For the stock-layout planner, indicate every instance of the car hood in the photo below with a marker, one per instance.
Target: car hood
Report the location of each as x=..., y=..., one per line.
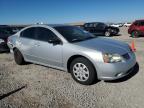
x=105, y=45
x=112, y=27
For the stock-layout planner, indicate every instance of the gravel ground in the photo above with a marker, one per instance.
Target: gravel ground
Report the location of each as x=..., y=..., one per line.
x=35, y=86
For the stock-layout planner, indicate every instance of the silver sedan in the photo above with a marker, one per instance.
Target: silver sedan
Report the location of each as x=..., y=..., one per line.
x=72, y=49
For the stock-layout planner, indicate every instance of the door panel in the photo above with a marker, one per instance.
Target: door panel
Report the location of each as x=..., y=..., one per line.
x=26, y=43
x=100, y=29
x=47, y=53
x=34, y=45
x=44, y=52
x=141, y=26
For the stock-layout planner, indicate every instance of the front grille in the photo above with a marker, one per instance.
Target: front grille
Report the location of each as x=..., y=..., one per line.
x=126, y=56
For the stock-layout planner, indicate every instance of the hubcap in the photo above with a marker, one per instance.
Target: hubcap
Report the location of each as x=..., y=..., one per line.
x=107, y=34
x=81, y=72
x=134, y=34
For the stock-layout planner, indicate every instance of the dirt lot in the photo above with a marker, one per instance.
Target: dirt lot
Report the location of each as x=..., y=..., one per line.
x=35, y=86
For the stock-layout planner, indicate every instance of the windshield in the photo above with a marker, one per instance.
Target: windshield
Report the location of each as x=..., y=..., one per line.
x=74, y=34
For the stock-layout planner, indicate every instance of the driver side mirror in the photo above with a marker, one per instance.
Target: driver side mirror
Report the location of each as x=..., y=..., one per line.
x=54, y=41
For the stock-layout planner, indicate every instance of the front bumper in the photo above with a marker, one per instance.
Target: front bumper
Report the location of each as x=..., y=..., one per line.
x=113, y=71
x=114, y=32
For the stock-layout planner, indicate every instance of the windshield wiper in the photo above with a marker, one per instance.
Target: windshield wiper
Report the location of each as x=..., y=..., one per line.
x=76, y=40
x=89, y=38
x=82, y=39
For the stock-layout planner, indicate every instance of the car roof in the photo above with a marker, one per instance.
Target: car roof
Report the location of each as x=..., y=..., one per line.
x=56, y=25
x=53, y=25
x=50, y=25
x=93, y=22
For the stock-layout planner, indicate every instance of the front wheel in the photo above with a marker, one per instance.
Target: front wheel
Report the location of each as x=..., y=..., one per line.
x=83, y=71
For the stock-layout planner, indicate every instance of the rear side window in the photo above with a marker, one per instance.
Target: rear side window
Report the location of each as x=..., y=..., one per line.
x=86, y=25
x=29, y=33
x=141, y=23
x=44, y=34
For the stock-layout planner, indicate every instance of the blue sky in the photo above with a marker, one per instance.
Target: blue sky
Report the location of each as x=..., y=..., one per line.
x=65, y=11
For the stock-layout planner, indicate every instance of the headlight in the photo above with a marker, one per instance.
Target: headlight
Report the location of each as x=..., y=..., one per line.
x=1, y=40
x=112, y=58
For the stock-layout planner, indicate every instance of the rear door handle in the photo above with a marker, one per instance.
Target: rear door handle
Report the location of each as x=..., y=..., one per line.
x=36, y=44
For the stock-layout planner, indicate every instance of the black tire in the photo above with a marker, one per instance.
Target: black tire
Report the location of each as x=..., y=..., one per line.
x=107, y=33
x=115, y=32
x=18, y=57
x=92, y=73
x=135, y=34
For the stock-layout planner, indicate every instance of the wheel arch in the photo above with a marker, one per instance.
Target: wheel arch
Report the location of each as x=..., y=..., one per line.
x=77, y=56
x=14, y=48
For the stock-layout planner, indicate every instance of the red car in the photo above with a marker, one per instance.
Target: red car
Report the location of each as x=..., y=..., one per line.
x=137, y=28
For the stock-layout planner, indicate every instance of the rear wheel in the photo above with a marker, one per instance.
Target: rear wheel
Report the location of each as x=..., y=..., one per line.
x=135, y=34
x=18, y=57
x=83, y=71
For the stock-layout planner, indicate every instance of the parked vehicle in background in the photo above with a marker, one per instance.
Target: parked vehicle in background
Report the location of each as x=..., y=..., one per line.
x=5, y=32
x=127, y=24
x=69, y=48
x=16, y=29
x=116, y=25
x=3, y=46
x=121, y=24
x=137, y=28
x=99, y=28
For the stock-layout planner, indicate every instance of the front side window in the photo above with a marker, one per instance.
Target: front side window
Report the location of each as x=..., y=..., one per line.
x=95, y=24
x=101, y=26
x=74, y=34
x=44, y=34
x=91, y=25
x=29, y=33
